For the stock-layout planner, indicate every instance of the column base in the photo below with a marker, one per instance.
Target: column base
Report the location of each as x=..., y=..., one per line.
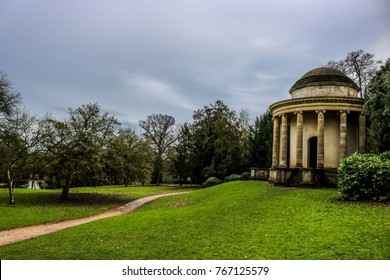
x=304, y=177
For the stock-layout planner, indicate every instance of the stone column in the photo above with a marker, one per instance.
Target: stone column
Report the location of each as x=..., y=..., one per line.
x=362, y=133
x=283, y=142
x=276, y=143
x=299, y=138
x=343, y=135
x=320, y=138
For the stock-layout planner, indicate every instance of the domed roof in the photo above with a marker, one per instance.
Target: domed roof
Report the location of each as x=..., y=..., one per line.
x=324, y=76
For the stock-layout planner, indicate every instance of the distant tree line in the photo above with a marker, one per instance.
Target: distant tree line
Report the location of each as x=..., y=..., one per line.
x=217, y=143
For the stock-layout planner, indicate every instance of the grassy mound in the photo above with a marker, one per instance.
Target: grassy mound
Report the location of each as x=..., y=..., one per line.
x=236, y=220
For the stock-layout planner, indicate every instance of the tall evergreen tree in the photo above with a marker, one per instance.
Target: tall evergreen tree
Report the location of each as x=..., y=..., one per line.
x=129, y=158
x=181, y=161
x=378, y=110
x=260, y=141
x=216, y=142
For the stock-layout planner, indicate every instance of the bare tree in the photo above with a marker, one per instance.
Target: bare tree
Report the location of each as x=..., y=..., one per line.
x=360, y=67
x=9, y=99
x=9, y=133
x=17, y=142
x=159, y=130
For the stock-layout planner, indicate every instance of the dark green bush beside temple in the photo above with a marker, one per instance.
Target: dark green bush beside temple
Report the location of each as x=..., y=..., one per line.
x=365, y=177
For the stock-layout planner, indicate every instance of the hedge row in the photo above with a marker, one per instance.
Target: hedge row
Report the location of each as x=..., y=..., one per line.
x=365, y=177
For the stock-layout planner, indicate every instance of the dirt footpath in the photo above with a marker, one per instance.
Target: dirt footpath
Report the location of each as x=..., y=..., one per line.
x=23, y=233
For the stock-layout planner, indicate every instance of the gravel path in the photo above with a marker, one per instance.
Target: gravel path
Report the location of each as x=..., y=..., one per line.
x=23, y=233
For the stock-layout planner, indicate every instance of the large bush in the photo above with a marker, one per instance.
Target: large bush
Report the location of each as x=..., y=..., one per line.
x=365, y=177
x=234, y=177
x=211, y=181
x=245, y=176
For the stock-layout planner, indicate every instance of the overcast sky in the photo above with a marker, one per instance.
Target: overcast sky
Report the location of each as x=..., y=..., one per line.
x=139, y=57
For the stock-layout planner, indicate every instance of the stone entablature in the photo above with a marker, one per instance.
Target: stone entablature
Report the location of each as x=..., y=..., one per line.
x=317, y=103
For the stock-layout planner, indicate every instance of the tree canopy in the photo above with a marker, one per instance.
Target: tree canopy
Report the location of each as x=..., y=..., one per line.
x=260, y=141
x=159, y=130
x=378, y=110
x=216, y=142
x=76, y=146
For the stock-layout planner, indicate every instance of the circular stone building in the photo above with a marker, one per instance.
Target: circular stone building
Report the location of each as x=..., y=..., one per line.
x=321, y=124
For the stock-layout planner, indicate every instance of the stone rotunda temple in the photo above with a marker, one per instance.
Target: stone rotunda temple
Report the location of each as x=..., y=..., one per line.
x=321, y=124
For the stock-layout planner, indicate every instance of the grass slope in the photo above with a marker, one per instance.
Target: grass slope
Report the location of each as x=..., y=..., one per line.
x=237, y=220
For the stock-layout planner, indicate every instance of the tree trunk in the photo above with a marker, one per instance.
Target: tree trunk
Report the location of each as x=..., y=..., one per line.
x=65, y=189
x=159, y=161
x=11, y=188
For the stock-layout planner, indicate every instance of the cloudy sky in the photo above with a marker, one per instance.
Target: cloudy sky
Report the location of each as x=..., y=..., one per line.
x=135, y=58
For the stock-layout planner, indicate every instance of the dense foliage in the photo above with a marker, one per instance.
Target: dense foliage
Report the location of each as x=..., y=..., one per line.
x=260, y=141
x=216, y=142
x=365, y=177
x=378, y=110
x=181, y=154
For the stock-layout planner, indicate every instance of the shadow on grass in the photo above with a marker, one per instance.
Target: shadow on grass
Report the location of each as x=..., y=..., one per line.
x=51, y=197
x=75, y=199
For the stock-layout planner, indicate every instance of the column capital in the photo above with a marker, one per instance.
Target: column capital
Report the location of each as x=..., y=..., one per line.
x=345, y=111
x=320, y=111
x=298, y=112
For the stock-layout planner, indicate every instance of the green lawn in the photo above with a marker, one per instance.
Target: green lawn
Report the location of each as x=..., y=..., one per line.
x=237, y=220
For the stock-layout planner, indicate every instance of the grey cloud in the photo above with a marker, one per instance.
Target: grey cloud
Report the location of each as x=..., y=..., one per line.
x=141, y=57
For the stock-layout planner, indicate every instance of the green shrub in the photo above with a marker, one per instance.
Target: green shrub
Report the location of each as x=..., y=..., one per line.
x=211, y=181
x=234, y=177
x=245, y=176
x=365, y=177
